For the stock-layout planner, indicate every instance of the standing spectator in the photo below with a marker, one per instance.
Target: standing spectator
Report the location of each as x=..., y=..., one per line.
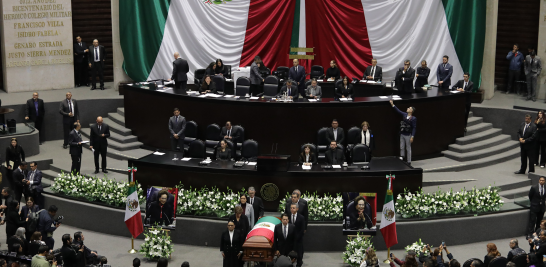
x=177, y=125
x=408, y=127
x=248, y=210
x=25, y=212
x=89, y=255
x=421, y=76
x=34, y=184
x=371, y=258
x=12, y=219
x=527, y=134
x=99, y=142
x=299, y=222
x=71, y=257
x=404, y=78
x=14, y=155
x=8, y=197
x=255, y=75
x=35, y=112
x=532, y=67
x=96, y=59
x=409, y=261
x=257, y=204
x=39, y=260
x=20, y=181
x=444, y=72
x=241, y=221
x=540, y=247
x=335, y=133
x=514, y=249
x=80, y=62
x=35, y=243
x=516, y=59
x=540, y=122
x=302, y=206
x=69, y=109
x=492, y=253
x=75, y=142
x=180, y=70
x=283, y=237
x=46, y=225
x=231, y=246
x=297, y=74
x=537, y=196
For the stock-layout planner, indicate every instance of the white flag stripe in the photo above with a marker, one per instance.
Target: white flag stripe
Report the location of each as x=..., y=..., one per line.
x=128, y=213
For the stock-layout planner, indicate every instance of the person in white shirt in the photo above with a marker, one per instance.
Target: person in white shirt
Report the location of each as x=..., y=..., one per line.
x=231, y=246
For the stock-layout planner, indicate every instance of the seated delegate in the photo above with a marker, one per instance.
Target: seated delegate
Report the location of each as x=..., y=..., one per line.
x=307, y=158
x=223, y=152
x=335, y=155
x=208, y=86
x=291, y=89
x=332, y=73
x=360, y=216
x=161, y=211
x=345, y=89
x=221, y=69
x=211, y=69
x=313, y=91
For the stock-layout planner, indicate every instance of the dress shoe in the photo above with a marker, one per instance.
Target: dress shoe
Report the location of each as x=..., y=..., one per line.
x=534, y=100
x=104, y=171
x=77, y=85
x=519, y=172
x=65, y=146
x=93, y=88
x=531, y=172
x=102, y=87
x=507, y=92
x=96, y=171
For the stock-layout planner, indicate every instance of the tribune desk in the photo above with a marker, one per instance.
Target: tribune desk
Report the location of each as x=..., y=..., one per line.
x=286, y=126
x=161, y=170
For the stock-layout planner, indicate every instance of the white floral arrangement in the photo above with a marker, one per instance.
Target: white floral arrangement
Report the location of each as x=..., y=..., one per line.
x=157, y=244
x=417, y=247
x=475, y=200
x=207, y=202
x=94, y=189
x=355, y=251
x=321, y=208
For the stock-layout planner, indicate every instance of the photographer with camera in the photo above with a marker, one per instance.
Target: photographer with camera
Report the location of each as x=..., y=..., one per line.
x=72, y=253
x=39, y=260
x=46, y=225
x=90, y=256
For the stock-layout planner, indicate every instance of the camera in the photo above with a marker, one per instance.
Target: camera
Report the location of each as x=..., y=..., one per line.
x=59, y=219
x=76, y=246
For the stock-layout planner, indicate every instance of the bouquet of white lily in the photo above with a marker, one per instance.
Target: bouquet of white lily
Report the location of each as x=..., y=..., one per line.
x=417, y=247
x=325, y=208
x=207, y=202
x=355, y=251
x=157, y=244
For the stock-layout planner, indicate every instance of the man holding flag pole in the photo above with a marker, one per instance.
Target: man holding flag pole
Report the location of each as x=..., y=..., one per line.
x=133, y=217
x=388, y=222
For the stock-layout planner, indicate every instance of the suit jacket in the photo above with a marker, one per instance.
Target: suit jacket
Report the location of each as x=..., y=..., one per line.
x=293, y=91
x=65, y=110
x=177, y=128
x=299, y=228
x=30, y=111
x=312, y=158
x=284, y=246
x=534, y=67
x=96, y=138
x=241, y=225
x=153, y=197
x=335, y=157
x=18, y=176
x=537, y=201
x=378, y=75
x=80, y=51
x=160, y=215
x=91, y=56
x=342, y=91
x=298, y=76
x=355, y=223
x=180, y=70
x=211, y=87
x=468, y=88
x=422, y=79
x=255, y=76
x=73, y=139
x=36, y=183
x=258, y=206
x=249, y=212
x=340, y=135
x=372, y=140
x=235, y=134
x=529, y=136
x=444, y=73
x=71, y=257
x=227, y=246
x=303, y=210
x=404, y=81
x=317, y=93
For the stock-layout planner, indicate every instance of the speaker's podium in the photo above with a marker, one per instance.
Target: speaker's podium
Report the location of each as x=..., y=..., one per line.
x=273, y=163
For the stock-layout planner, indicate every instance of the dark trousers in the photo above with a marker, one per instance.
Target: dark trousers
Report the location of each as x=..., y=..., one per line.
x=180, y=85
x=298, y=247
x=82, y=77
x=177, y=143
x=76, y=163
x=527, y=152
x=513, y=76
x=534, y=221
x=67, y=128
x=50, y=242
x=540, y=147
x=467, y=111
x=38, y=124
x=97, y=67
x=100, y=150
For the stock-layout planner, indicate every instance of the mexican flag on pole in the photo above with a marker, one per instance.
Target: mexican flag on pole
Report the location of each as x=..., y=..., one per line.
x=133, y=217
x=388, y=222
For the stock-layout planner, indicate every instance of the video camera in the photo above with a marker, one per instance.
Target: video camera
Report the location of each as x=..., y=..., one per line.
x=59, y=219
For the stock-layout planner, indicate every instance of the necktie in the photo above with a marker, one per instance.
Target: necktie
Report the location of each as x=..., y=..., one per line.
x=229, y=134
x=31, y=179
x=285, y=232
x=525, y=128
x=373, y=72
x=365, y=138
x=36, y=105
x=335, y=134
x=444, y=66
x=96, y=54
x=176, y=119
x=80, y=44
x=70, y=106
x=541, y=191
x=294, y=219
x=289, y=91
x=296, y=69
x=99, y=128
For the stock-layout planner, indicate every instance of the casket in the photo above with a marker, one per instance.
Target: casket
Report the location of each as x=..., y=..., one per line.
x=258, y=245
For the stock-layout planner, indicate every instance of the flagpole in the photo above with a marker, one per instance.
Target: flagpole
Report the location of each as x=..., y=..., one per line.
x=388, y=256
x=132, y=251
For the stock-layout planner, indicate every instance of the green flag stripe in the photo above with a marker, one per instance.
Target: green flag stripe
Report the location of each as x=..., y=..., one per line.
x=131, y=190
x=468, y=34
x=269, y=219
x=295, y=39
x=141, y=25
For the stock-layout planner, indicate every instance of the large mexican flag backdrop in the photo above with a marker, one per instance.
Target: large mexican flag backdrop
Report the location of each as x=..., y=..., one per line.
x=352, y=32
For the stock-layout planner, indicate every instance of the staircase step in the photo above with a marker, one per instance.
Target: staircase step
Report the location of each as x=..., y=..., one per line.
x=474, y=155
x=114, y=144
x=123, y=155
x=478, y=128
x=119, y=119
x=124, y=139
x=470, y=114
x=515, y=193
x=524, y=183
x=49, y=174
x=493, y=141
x=474, y=121
x=481, y=162
x=478, y=136
x=116, y=127
x=121, y=111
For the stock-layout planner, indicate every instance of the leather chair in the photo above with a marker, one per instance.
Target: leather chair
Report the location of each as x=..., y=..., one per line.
x=265, y=72
x=361, y=154
x=282, y=72
x=338, y=83
x=228, y=67
x=311, y=146
x=351, y=206
x=352, y=137
x=242, y=86
x=322, y=143
x=317, y=72
x=212, y=136
x=498, y=262
x=271, y=86
x=469, y=261
x=307, y=83
x=196, y=149
x=220, y=82
x=249, y=151
x=520, y=260
x=241, y=139
x=198, y=76
x=190, y=133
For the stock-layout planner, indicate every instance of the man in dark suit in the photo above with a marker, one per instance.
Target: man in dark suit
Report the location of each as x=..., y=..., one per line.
x=467, y=86
x=527, y=134
x=334, y=156
x=69, y=109
x=299, y=231
x=283, y=236
x=404, y=78
x=34, y=184
x=373, y=72
x=75, y=142
x=35, y=112
x=98, y=142
x=229, y=133
x=180, y=70
x=177, y=124
x=443, y=73
x=302, y=206
x=291, y=90
x=256, y=202
x=297, y=74
x=97, y=55
x=80, y=62
x=537, y=196
x=20, y=180
x=335, y=133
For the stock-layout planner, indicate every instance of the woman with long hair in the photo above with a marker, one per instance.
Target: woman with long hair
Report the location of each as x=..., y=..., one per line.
x=532, y=260
x=541, y=139
x=492, y=252
x=371, y=257
x=220, y=68
x=223, y=152
x=344, y=89
x=333, y=71
x=307, y=157
x=208, y=86
x=211, y=69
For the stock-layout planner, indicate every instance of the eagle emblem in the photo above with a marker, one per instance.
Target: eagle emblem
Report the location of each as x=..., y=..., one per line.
x=388, y=214
x=132, y=205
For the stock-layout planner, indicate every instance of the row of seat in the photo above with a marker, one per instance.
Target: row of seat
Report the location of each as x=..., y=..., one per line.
x=248, y=152
x=281, y=72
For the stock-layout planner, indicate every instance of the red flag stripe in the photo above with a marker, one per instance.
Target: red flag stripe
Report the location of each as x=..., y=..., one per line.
x=389, y=234
x=135, y=225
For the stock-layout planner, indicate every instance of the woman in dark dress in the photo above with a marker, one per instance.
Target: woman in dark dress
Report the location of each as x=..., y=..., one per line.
x=231, y=246
x=35, y=243
x=25, y=211
x=12, y=219
x=15, y=153
x=208, y=86
x=492, y=252
x=345, y=89
x=160, y=211
x=421, y=75
x=332, y=71
x=241, y=221
x=361, y=215
x=220, y=68
x=211, y=69
x=307, y=158
x=541, y=139
x=223, y=152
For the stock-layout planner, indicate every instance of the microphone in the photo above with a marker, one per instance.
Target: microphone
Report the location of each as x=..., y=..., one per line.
x=170, y=222
x=276, y=145
x=272, y=145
